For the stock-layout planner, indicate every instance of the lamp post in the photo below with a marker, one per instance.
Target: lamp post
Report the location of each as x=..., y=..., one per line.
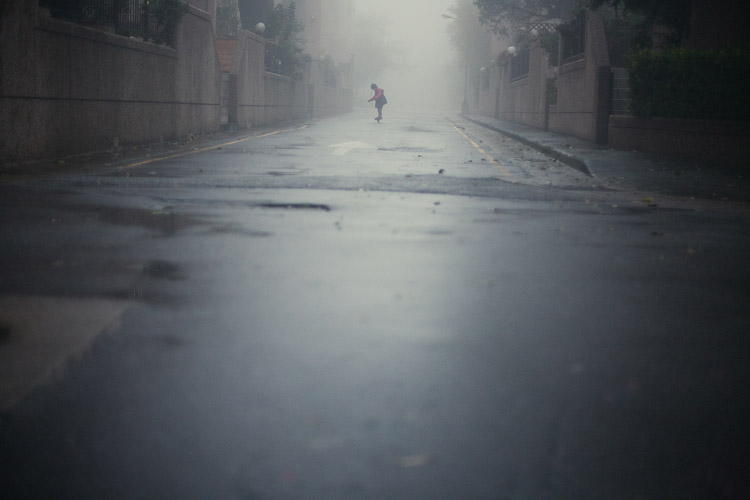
x=465, y=104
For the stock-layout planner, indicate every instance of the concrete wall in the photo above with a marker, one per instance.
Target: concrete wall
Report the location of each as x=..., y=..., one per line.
x=584, y=105
x=264, y=98
x=486, y=103
x=284, y=100
x=525, y=99
x=583, y=88
x=325, y=99
x=248, y=69
x=66, y=88
x=712, y=142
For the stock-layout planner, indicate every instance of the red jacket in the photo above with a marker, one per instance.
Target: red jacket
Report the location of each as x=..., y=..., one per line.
x=378, y=95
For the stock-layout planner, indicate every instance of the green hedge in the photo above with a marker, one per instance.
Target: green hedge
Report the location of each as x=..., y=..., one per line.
x=688, y=83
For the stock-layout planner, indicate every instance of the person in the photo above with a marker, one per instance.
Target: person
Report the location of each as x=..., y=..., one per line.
x=379, y=99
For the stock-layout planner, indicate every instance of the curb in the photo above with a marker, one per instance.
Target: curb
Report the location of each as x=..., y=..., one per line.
x=569, y=160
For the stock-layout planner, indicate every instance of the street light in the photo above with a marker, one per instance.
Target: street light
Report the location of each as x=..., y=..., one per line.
x=465, y=104
x=260, y=28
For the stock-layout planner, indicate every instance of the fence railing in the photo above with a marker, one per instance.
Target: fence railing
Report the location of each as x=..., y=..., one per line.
x=519, y=65
x=276, y=60
x=330, y=77
x=122, y=17
x=573, y=37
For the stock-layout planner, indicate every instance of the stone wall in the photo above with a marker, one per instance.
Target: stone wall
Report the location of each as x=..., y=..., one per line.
x=325, y=98
x=282, y=102
x=67, y=88
x=264, y=98
x=248, y=68
x=584, y=103
x=525, y=99
x=709, y=142
x=583, y=88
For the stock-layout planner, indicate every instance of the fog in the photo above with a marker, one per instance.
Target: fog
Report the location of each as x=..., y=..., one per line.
x=415, y=30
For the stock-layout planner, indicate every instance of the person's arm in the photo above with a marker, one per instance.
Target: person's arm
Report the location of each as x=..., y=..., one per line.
x=376, y=96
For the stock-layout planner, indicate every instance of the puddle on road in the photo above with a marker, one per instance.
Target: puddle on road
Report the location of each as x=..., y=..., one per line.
x=417, y=129
x=164, y=221
x=295, y=206
x=282, y=174
x=162, y=269
x=44, y=334
x=239, y=229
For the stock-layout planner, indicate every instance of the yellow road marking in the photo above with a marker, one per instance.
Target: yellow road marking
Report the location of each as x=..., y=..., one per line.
x=209, y=148
x=481, y=150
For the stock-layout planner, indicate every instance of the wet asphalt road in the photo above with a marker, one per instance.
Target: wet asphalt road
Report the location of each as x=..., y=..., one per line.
x=345, y=310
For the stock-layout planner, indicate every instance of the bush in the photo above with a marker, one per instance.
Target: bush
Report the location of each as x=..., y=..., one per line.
x=688, y=83
x=168, y=14
x=550, y=42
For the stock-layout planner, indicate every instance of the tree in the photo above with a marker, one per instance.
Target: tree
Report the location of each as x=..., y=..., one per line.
x=253, y=12
x=284, y=26
x=674, y=14
x=470, y=40
x=498, y=14
x=227, y=18
x=168, y=14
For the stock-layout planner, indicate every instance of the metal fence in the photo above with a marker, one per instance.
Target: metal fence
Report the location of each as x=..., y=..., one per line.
x=330, y=77
x=281, y=61
x=573, y=37
x=519, y=65
x=275, y=61
x=123, y=17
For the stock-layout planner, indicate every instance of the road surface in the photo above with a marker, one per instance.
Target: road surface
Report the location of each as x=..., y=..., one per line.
x=341, y=309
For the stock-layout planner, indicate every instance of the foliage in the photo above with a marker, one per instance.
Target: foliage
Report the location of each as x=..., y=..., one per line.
x=551, y=90
x=284, y=26
x=672, y=13
x=627, y=33
x=253, y=12
x=227, y=18
x=168, y=14
x=468, y=37
x=498, y=14
x=688, y=83
x=550, y=42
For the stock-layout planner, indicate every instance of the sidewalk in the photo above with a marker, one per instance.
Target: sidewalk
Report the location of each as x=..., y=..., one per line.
x=629, y=169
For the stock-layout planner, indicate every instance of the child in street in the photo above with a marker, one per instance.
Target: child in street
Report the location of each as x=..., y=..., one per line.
x=379, y=99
